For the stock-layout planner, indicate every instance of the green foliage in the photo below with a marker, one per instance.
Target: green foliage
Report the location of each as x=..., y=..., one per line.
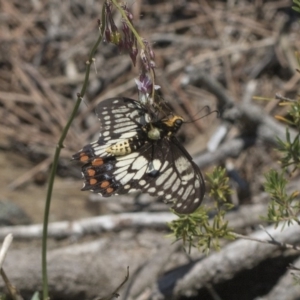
x=296, y=278
x=196, y=229
x=296, y=5
x=290, y=150
x=219, y=188
x=283, y=205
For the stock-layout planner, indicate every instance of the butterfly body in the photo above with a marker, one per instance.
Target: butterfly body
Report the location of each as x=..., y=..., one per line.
x=138, y=150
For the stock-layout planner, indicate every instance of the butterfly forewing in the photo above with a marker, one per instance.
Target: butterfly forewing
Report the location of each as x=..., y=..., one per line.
x=124, y=159
x=120, y=119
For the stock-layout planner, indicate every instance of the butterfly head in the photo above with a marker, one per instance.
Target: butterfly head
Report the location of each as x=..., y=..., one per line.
x=173, y=123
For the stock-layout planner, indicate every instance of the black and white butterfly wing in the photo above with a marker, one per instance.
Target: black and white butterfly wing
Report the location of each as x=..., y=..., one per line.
x=172, y=175
x=160, y=167
x=120, y=119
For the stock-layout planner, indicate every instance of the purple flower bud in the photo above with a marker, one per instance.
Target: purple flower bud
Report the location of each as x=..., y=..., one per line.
x=144, y=57
x=113, y=26
x=130, y=16
x=128, y=13
x=107, y=35
x=151, y=53
x=144, y=86
x=133, y=54
x=121, y=44
x=152, y=64
x=125, y=28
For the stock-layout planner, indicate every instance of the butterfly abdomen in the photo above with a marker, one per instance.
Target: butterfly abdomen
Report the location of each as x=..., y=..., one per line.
x=126, y=146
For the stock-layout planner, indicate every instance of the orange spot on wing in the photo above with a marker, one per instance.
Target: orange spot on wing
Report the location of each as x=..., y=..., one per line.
x=93, y=181
x=109, y=190
x=97, y=162
x=104, y=184
x=84, y=157
x=91, y=172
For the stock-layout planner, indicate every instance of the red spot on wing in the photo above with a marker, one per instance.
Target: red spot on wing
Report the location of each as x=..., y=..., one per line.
x=91, y=172
x=84, y=157
x=109, y=190
x=93, y=181
x=97, y=162
x=104, y=184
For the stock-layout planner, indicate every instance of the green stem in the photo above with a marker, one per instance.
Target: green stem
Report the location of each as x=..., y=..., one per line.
x=56, y=157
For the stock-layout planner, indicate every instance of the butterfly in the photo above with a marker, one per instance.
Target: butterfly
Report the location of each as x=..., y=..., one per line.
x=137, y=150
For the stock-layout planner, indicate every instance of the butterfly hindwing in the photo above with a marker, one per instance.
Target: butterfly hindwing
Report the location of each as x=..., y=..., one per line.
x=164, y=170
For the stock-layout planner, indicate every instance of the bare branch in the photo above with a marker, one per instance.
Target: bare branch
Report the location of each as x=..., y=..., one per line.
x=232, y=259
x=91, y=225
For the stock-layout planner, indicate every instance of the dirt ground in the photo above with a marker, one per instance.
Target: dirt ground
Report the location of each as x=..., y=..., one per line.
x=67, y=201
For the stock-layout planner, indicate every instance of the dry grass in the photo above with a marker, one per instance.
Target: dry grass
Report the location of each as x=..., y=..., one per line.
x=247, y=46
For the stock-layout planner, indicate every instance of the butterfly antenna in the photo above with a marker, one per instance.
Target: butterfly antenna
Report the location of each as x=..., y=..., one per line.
x=207, y=114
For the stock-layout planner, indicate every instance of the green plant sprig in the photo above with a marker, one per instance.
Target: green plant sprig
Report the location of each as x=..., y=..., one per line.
x=283, y=206
x=296, y=7
x=196, y=229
